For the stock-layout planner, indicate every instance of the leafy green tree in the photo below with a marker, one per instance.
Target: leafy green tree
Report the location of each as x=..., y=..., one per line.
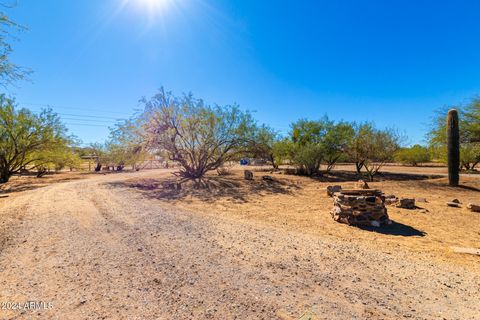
x=56, y=158
x=370, y=148
x=262, y=145
x=199, y=137
x=317, y=142
x=470, y=155
x=380, y=149
x=414, y=155
x=336, y=141
x=357, y=149
x=9, y=71
x=126, y=145
x=282, y=150
x=307, y=149
x=471, y=119
x=27, y=140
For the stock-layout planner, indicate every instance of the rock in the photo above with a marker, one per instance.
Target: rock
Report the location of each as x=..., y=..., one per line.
x=267, y=178
x=391, y=199
x=454, y=204
x=248, y=175
x=406, y=203
x=474, y=207
x=332, y=189
x=421, y=200
x=361, y=184
x=455, y=201
x=375, y=224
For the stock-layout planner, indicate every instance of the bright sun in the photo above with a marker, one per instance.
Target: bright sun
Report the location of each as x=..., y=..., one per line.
x=153, y=12
x=153, y=6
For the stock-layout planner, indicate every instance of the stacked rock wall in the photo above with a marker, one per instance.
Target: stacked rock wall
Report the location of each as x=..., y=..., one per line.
x=360, y=207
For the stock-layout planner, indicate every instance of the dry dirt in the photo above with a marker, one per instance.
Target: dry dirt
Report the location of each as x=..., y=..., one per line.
x=122, y=246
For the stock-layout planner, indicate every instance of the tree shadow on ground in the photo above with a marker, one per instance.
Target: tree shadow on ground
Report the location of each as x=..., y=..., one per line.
x=470, y=188
x=33, y=183
x=442, y=185
x=349, y=176
x=209, y=189
x=396, y=229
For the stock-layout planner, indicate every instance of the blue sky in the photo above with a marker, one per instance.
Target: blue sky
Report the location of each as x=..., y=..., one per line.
x=391, y=62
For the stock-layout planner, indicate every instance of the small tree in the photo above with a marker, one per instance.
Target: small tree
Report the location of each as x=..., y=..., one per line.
x=126, y=145
x=27, y=139
x=470, y=155
x=307, y=148
x=380, y=147
x=357, y=150
x=471, y=120
x=56, y=158
x=197, y=136
x=414, y=155
x=262, y=144
x=282, y=150
x=336, y=141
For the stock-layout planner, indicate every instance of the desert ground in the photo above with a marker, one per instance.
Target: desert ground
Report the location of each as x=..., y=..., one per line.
x=128, y=246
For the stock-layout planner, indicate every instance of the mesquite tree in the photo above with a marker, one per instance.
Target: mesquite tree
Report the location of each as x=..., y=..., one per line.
x=27, y=140
x=199, y=137
x=262, y=143
x=453, y=145
x=9, y=71
x=380, y=148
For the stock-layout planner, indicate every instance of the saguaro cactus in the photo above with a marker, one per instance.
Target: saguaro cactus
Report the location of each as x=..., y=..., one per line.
x=453, y=142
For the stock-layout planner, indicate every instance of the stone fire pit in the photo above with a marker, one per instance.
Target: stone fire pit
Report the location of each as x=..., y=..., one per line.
x=360, y=207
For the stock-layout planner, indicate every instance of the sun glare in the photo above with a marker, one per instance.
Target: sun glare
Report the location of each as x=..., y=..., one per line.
x=153, y=5
x=152, y=9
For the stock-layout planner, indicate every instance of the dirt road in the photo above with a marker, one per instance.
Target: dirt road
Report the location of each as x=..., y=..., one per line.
x=95, y=251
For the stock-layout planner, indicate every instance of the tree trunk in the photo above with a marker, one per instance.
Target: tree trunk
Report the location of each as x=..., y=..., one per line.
x=359, y=165
x=5, y=175
x=41, y=173
x=453, y=142
x=274, y=164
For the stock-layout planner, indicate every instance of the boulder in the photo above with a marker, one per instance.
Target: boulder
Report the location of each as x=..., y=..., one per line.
x=424, y=200
x=391, y=199
x=332, y=189
x=453, y=204
x=248, y=175
x=455, y=201
x=406, y=203
x=474, y=207
x=267, y=178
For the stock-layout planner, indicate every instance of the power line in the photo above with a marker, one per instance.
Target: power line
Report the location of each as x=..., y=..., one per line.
x=73, y=108
x=83, y=116
x=86, y=125
x=89, y=120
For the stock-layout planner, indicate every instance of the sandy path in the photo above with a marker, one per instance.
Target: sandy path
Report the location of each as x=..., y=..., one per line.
x=98, y=252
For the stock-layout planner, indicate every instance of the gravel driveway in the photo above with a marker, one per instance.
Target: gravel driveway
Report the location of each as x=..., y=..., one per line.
x=89, y=250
